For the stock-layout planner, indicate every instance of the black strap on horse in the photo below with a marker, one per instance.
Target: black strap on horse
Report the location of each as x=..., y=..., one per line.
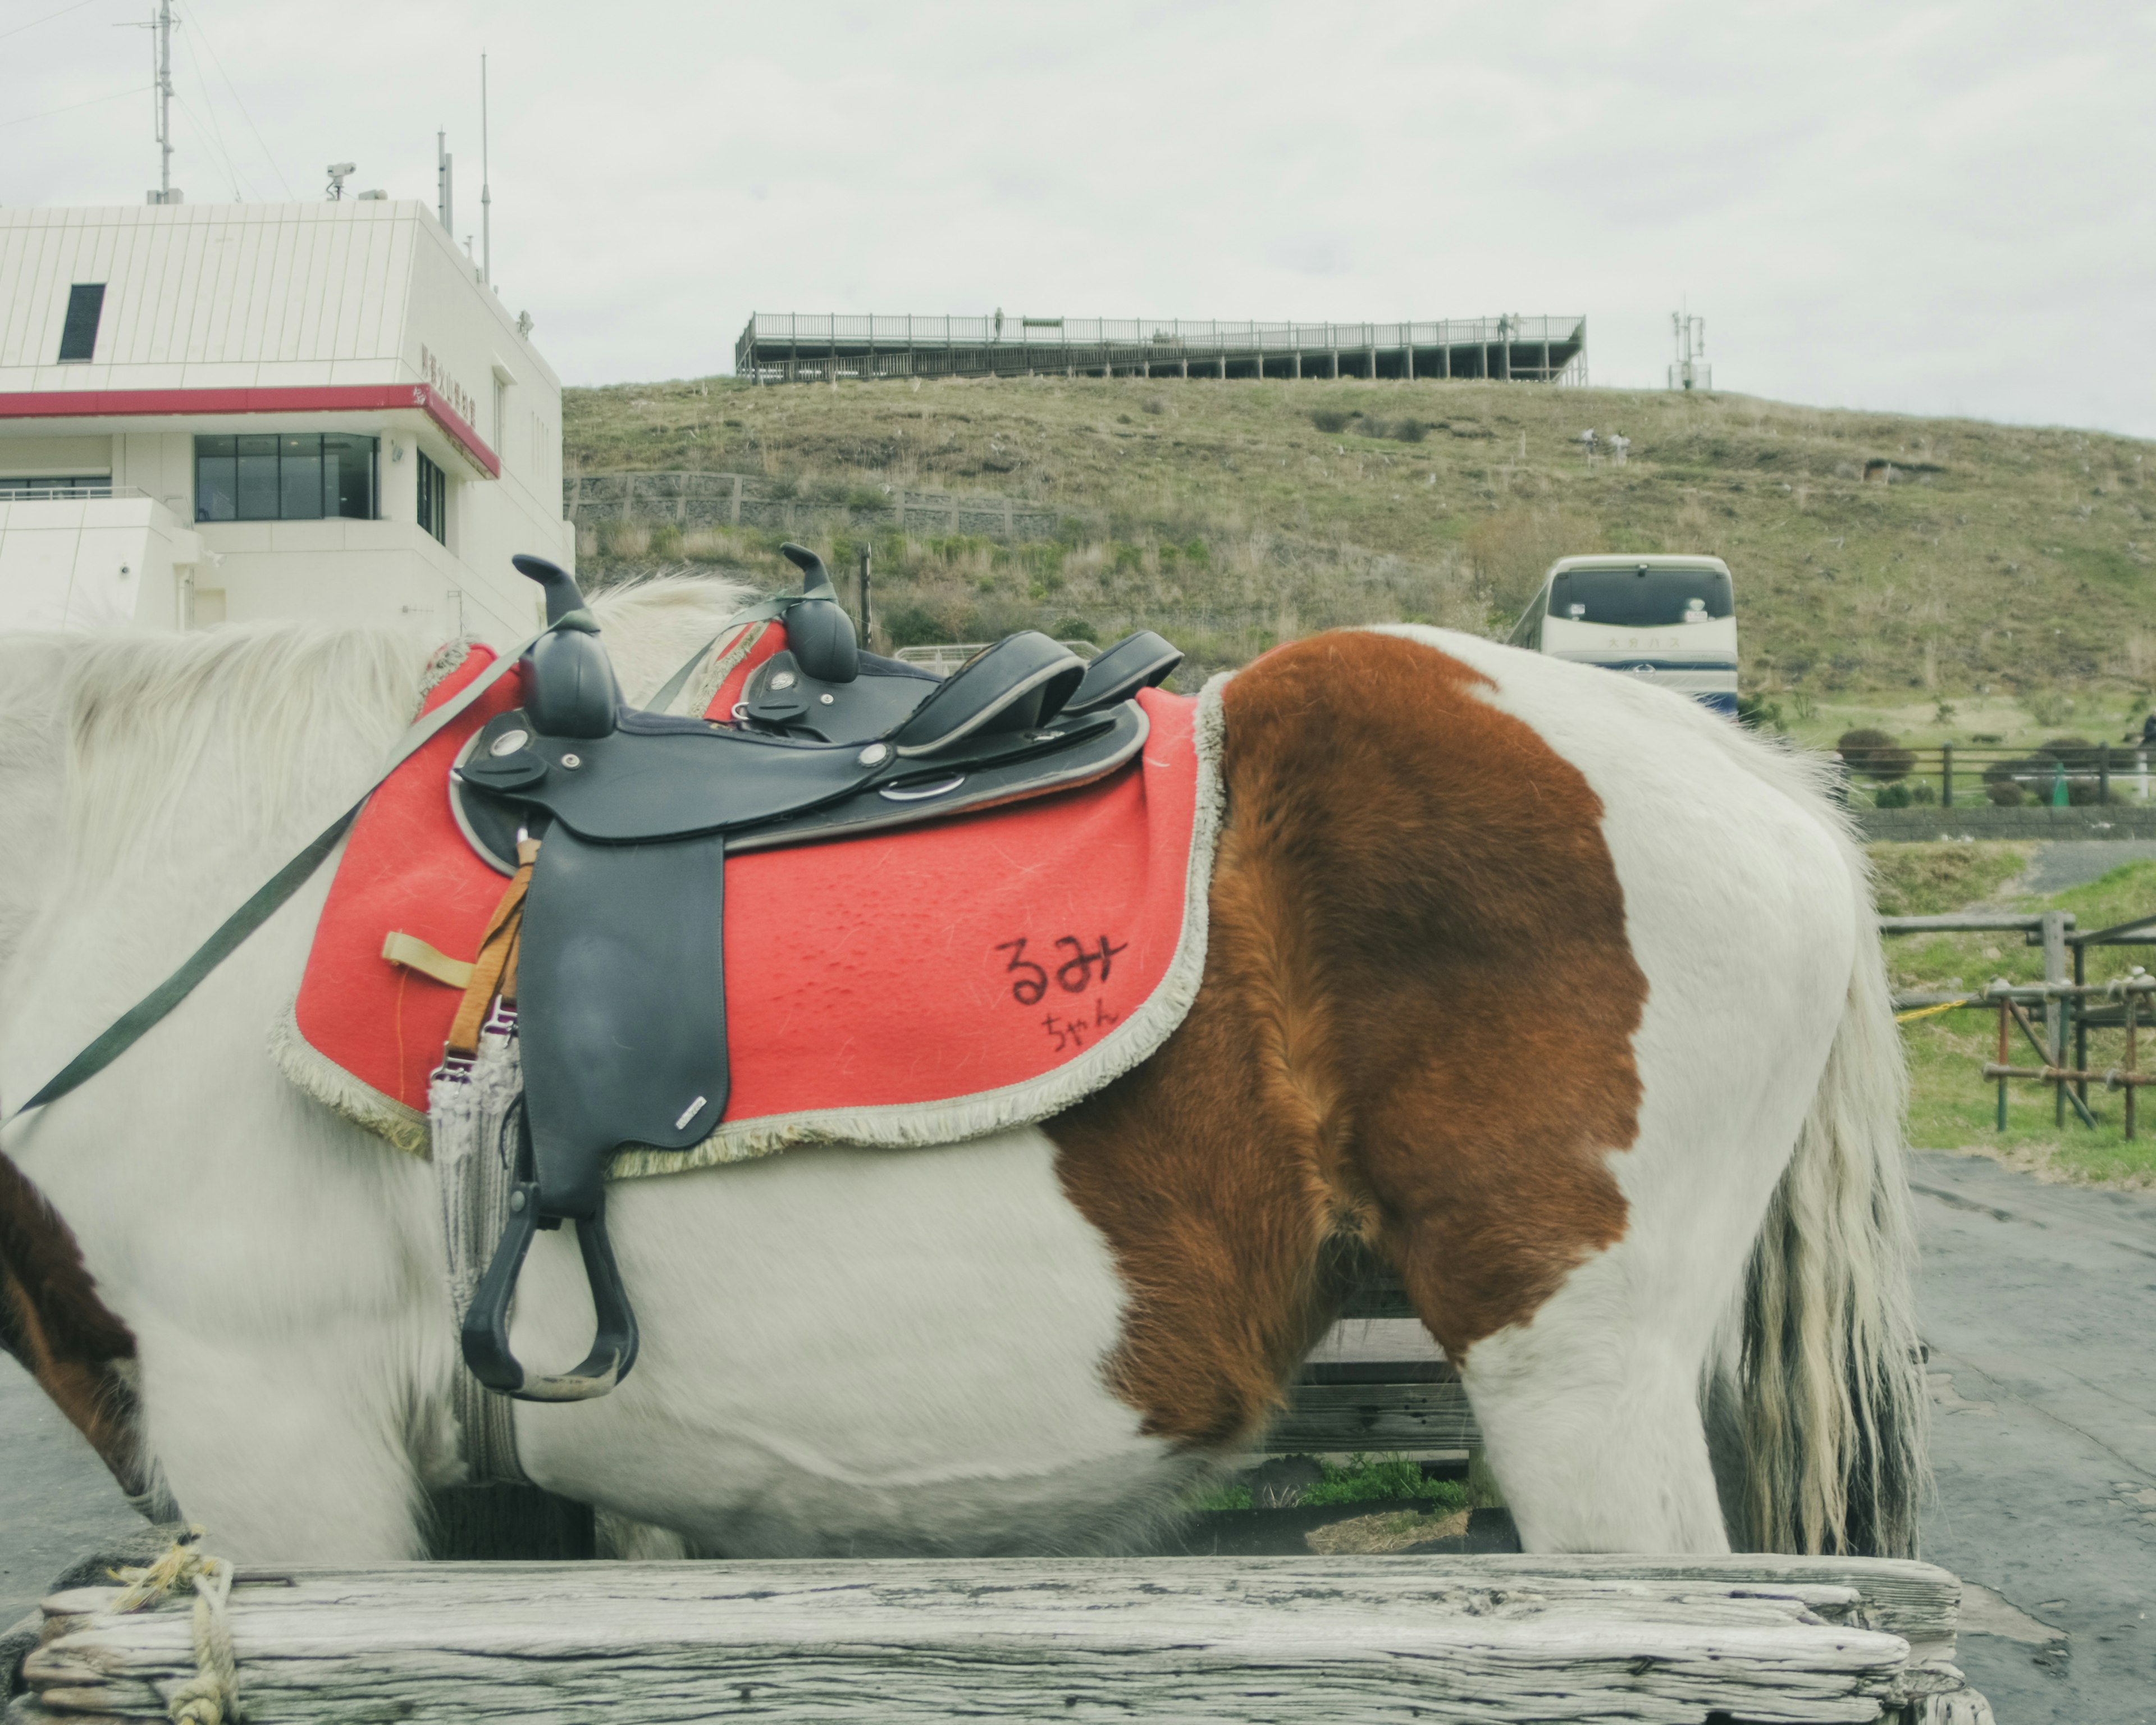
x=133, y=1025
x=566, y=610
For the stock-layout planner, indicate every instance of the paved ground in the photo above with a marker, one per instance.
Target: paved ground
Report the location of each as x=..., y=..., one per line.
x=2075, y=862
x=57, y=1502
x=2040, y=1305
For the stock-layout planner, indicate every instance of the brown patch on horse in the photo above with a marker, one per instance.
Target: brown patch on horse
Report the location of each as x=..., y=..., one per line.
x=1415, y=1031
x=53, y=1321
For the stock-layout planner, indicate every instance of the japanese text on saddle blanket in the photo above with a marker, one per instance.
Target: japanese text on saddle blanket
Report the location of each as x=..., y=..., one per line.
x=1673, y=1264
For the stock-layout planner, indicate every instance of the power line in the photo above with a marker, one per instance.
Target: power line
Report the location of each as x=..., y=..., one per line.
x=209, y=103
x=209, y=135
x=46, y=19
x=210, y=47
x=25, y=118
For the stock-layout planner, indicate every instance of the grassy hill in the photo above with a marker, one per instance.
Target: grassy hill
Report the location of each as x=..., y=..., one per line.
x=1880, y=561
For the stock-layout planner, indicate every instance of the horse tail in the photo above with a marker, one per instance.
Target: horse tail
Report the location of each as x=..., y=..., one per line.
x=1828, y=1394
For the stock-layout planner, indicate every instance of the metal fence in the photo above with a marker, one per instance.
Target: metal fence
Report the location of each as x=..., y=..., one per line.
x=63, y=490
x=2071, y=1009
x=695, y=500
x=1955, y=775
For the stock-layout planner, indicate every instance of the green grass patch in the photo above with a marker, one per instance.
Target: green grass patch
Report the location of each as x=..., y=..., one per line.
x=1361, y=1479
x=1376, y=1479
x=1931, y=880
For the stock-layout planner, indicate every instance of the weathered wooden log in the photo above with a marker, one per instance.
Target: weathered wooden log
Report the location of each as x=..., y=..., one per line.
x=1489, y=1640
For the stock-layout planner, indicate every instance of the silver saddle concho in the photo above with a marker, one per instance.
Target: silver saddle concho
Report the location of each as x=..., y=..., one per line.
x=620, y=993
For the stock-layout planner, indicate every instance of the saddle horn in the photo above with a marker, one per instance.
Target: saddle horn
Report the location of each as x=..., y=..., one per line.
x=568, y=680
x=819, y=633
x=564, y=598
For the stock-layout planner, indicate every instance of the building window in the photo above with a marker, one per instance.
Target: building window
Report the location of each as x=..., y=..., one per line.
x=284, y=476
x=434, y=499
x=79, y=334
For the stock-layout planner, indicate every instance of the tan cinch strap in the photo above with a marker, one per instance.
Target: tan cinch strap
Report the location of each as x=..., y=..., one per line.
x=414, y=953
x=497, y=950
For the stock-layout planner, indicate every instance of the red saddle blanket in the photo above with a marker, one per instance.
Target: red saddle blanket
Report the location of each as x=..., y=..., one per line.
x=919, y=986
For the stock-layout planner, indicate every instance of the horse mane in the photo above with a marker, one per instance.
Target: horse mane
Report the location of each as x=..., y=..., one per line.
x=290, y=719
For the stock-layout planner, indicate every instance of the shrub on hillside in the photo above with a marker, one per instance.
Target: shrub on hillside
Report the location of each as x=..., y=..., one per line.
x=2076, y=754
x=1332, y=420
x=1875, y=754
x=1755, y=713
x=624, y=539
x=918, y=626
x=2007, y=782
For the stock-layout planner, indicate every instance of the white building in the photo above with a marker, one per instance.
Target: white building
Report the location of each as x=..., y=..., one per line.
x=212, y=413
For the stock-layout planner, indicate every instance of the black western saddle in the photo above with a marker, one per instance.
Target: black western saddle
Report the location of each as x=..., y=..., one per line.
x=623, y=819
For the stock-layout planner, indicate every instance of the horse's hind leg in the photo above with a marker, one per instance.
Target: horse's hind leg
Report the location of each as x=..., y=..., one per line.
x=1590, y=1414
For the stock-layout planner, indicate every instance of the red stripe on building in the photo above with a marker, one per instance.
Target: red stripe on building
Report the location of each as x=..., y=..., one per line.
x=346, y=398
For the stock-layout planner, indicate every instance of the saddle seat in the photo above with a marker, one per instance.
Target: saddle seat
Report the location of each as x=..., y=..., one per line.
x=620, y=966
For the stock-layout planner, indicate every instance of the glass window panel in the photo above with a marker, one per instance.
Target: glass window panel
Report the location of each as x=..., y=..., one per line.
x=1638, y=596
x=434, y=512
x=257, y=445
x=258, y=480
x=348, y=477
x=79, y=334
x=299, y=480
x=217, y=484
x=215, y=446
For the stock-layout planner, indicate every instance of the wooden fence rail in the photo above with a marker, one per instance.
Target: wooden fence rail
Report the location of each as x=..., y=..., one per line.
x=1646, y=1640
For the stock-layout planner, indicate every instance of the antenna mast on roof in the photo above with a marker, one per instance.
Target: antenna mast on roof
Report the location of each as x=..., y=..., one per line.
x=444, y=186
x=160, y=62
x=1688, y=369
x=486, y=192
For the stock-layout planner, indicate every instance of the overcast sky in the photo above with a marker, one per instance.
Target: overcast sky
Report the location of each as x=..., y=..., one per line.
x=1937, y=209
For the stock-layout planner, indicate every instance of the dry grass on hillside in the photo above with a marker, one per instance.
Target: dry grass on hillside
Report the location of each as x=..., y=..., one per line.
x=1990, y=559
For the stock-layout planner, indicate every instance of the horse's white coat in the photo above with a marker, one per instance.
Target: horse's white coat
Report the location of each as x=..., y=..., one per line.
x=1742, y=916
x=853, y=1351
x=847, y=1351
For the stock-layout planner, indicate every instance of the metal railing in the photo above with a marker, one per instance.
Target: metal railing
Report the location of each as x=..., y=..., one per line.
x=795, y=346
x=1958, y=775
x=876, y=331
x=33, y=491
x=2071, y=1009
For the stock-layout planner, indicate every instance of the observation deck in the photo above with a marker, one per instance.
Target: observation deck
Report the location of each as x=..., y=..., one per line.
x=786, y=347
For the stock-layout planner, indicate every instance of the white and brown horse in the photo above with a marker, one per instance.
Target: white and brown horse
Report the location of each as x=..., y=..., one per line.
x=1557, y=993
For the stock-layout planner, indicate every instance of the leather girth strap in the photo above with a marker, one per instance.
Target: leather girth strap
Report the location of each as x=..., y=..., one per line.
x=494, y=972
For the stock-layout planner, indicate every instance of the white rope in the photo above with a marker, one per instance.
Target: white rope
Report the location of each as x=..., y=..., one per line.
x=472, y=1117
x=212, y=1695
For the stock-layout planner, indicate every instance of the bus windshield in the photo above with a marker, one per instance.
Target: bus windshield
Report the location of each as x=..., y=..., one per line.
x=1634, y=598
